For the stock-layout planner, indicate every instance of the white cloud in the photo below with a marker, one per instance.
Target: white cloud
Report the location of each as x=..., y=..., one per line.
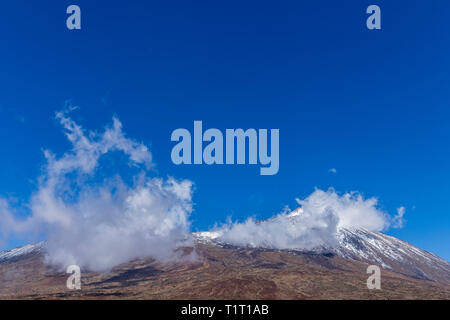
x=99, y=224
x=313, y=225
x=397, y=220
x=332, y=170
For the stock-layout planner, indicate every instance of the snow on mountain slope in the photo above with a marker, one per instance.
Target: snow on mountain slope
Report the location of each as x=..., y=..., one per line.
x=21, y=251
x=391, y=253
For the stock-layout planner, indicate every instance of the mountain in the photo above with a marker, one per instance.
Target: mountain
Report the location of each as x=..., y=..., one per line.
x=224, y=271
x=392, y=254
x=369, y=247
x=372, y=248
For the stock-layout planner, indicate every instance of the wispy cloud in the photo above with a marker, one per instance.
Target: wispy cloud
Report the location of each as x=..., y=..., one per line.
x=398, y=220
x=20, y=118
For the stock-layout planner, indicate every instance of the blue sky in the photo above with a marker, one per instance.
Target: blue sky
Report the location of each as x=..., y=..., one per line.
x=372, y=104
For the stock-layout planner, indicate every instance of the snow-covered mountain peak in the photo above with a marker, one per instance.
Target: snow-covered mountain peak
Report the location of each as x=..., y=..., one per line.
x=21, y=251
x=371, y=247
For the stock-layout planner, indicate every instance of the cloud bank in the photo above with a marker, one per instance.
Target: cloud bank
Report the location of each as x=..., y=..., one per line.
x=98, y=221
x=314, y=225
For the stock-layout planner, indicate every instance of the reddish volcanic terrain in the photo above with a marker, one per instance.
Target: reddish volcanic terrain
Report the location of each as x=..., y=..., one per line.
x=220, y=272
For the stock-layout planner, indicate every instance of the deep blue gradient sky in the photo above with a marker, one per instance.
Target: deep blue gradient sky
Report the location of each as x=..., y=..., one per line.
x=374, y=105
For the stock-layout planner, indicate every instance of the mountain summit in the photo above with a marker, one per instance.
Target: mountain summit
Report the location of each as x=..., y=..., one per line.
x=362, y=245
